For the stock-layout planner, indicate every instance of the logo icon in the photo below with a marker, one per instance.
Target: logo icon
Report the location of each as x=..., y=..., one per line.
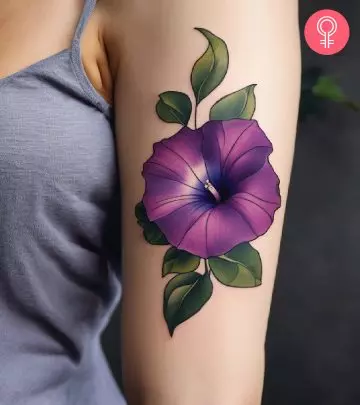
x=327, y=32
x=327, y=26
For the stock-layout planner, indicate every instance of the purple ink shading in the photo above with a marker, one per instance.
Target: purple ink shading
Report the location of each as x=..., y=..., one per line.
x=212, y=188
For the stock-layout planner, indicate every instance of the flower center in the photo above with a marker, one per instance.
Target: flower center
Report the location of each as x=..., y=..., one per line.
x=212, y=190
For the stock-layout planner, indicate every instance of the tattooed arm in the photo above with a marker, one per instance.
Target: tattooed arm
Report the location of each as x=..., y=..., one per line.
x=205, y=122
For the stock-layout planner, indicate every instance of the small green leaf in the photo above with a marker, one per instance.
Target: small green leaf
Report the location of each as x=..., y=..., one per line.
x=240, y=104
x=152, y=233
x=174, y=107
x=241, y=267
x=184, y=296
x=140, y=213
x=179, y=261
x=210, y=69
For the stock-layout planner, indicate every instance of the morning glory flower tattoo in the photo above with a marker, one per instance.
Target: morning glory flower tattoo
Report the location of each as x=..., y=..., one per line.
x=212, y=188
x=209, y=191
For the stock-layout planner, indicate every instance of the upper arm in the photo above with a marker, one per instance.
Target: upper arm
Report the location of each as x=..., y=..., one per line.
x=215, y=354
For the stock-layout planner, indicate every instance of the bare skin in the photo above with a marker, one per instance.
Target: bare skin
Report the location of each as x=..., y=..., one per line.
x=31, y=33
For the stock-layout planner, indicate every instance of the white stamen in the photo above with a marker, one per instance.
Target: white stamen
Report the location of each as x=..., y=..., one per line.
x=208, y=186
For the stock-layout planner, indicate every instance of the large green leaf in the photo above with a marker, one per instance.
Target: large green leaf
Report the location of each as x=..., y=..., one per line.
x=174, y=107
x=184, y=296
x=210, y=69
x=179, y=261
x=241, y=267
x=151, y=231
x=240, y=104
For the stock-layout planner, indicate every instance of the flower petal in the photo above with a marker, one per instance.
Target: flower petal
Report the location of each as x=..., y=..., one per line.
x=262, y=185
x=213, y=137
x=246, y=165
x=258, y=198
x=173, y=173
x=164, y=195
x=226, y=228
x=233, y=150
x=241, y=136
x=255, y=215
x=184, y=154
x=180, y=226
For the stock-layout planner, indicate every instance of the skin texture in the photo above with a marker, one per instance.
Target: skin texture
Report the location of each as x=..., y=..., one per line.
x=133, y=50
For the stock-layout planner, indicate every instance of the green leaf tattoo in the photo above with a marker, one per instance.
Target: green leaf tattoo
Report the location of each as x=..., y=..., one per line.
x=179, y=261
x=174, y=107
x=152, y=233
x=184, y=296
x=241, y=267
x=240, y=104
x=210, y=69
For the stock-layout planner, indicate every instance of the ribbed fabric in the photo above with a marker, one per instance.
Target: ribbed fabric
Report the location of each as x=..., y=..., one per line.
x=59, y=233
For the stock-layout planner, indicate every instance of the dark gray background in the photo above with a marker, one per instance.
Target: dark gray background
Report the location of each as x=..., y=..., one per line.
x=313, y=355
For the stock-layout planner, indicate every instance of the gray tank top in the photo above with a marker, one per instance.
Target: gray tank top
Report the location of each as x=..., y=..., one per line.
x=59, y=233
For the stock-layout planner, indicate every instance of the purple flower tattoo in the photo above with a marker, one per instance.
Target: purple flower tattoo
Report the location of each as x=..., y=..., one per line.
x=209, y=191
x=212, y=188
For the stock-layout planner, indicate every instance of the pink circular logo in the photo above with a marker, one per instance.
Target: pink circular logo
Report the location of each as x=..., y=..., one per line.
x=327, y=32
